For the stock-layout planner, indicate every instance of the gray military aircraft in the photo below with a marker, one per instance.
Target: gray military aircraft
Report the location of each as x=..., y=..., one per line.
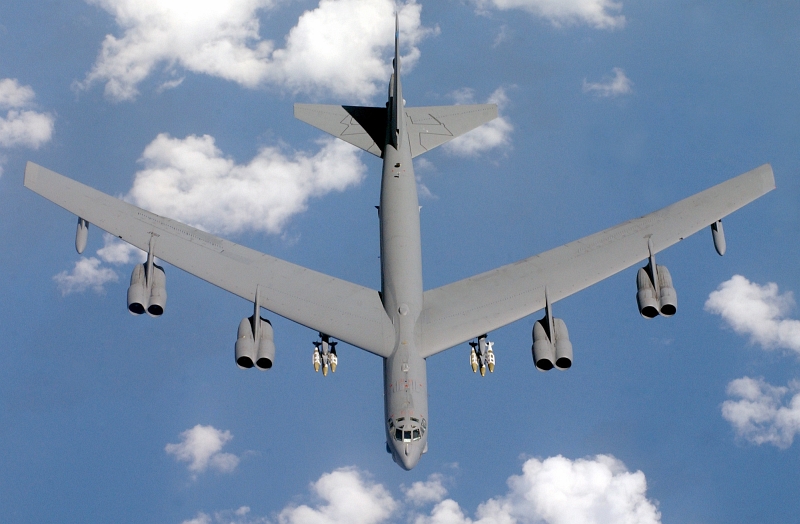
x=402, y=324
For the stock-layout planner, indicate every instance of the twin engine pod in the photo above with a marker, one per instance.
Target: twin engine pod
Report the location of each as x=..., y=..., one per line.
x=551, y=348
x=654, y=300
x=655, y=293
x=147, y=293
x=255, y=345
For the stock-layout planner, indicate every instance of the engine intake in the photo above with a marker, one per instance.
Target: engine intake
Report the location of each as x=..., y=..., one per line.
x=148, y=291
x=551, y=352
x=650, y=302
x=248, y=353
x=255, y=344
x=147, y=294
x=551, y=345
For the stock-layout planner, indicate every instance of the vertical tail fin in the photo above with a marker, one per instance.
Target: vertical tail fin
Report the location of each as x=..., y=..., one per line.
x=396, y=88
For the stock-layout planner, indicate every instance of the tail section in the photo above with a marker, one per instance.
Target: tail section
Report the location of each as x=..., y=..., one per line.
x=364, y=127
x=373, y=128
x=430, y=127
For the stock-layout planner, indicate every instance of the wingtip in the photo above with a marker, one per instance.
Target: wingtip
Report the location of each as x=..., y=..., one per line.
x=768, y=176
x=30, y=173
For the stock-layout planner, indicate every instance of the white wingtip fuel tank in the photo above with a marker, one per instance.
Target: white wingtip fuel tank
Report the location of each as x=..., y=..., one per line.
x=81, y=235
x=719, y=237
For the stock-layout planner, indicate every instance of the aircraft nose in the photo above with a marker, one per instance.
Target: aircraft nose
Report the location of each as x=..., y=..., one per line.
x=409, y=456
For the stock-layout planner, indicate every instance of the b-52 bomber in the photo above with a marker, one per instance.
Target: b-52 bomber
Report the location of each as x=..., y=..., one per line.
x=403, y=324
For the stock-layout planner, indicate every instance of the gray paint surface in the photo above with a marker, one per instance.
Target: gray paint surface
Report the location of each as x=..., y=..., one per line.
x=402, y=324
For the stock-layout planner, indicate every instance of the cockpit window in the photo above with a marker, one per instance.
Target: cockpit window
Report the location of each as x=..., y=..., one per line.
x=407, y=430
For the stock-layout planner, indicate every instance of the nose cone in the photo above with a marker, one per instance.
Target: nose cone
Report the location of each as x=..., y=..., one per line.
x=407, y=454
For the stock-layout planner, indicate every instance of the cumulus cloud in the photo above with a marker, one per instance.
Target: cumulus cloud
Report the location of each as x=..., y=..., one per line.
x=337, y=48
x=86, y=274
x=237, y=516
x=201, y=446
x=421, y=493
x=600, y=14
x=757, y=311
x=552, y=491
x=90, y=273
x=190, y=180
x=494, y=134
x=22, y=126
x=14, y=95
x=610, y=87
x=348, y=498
x=758, y=413
x=559, y=490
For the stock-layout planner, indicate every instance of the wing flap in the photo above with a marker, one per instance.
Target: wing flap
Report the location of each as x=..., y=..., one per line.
x=457, y=312
x=432, y=126
x=345, y=311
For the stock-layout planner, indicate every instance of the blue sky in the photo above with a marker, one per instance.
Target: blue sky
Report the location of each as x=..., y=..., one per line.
x=609, y=110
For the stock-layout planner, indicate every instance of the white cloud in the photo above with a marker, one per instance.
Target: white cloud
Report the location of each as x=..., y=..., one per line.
x=758, y=311
x=86, y=274
x=237, y=516
x=191, y=181
x=494, y=134
x=552, y=491
x=201, y=518
x=348, y=499
x=562, y=491
x=610, y=87
x=22, y=126
x=115, y=251
x=595, y=13
x=89, y=273
x=759, y=414
x=432, y=490
x=337, y=49
x=14, y=95
x=201, y=446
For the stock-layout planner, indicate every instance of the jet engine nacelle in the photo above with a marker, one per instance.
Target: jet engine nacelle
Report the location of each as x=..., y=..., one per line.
x=137, y=291
x=650, y=302
x=144, y=296
x=248, y=352
x=549, y=352
x=158, y=292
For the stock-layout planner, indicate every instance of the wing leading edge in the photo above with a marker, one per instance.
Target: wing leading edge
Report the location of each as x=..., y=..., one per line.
x=346, y=311
x=457, y=312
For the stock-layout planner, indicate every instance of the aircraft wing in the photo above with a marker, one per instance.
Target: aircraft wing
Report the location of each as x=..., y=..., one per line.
x=463, y=310
x=432, y=126
x=345, y=311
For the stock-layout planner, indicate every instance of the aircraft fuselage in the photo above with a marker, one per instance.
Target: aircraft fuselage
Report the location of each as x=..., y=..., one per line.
x=405, y=379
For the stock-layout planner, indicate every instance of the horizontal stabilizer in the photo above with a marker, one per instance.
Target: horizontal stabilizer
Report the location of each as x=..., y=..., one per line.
x=432, y=126
x=364, y=127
